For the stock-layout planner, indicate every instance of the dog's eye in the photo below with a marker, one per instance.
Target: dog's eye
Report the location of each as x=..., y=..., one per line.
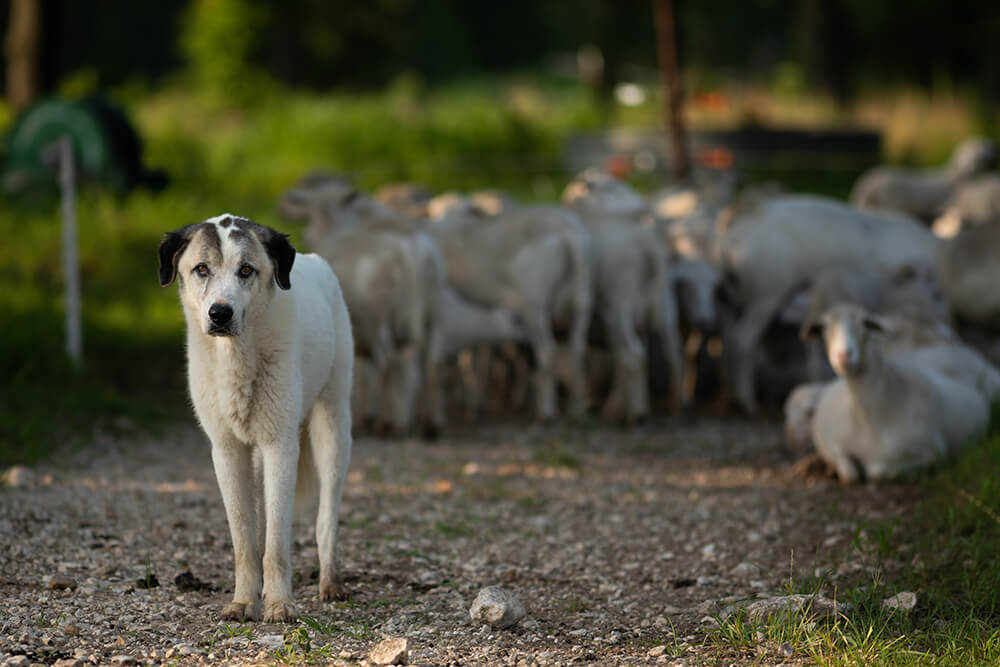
x=246, y=271
x=202, y=270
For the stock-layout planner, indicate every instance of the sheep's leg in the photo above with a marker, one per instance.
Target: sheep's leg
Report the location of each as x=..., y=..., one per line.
x=673, y=348
x=746, y=336
x=433, y=398
x=543, y=345
x=403, y=382
x=629, y=389
x=692, y=346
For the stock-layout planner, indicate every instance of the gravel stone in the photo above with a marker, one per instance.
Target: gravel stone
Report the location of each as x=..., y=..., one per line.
x=814, y=607
x=59, y=582
x=389, y=652
x=904, y=601
x=497, y=607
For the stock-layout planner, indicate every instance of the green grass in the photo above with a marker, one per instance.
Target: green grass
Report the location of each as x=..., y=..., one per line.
x=948, y=546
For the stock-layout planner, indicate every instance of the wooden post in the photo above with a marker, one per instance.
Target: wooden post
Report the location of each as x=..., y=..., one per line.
x=673, y=90
x=71, y=263
x=21, y=50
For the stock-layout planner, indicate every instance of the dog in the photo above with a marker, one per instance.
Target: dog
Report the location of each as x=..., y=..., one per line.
x=270, y=365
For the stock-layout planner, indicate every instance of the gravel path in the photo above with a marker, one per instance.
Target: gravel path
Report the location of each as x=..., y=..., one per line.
x=620, y=544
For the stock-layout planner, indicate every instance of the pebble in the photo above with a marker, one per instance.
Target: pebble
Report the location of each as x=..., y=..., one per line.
x=812, y=606
x=17, y=660
x=69, y=662
x=124, y=660
x=904, y=601
x=745, y=571
x=389, y=652
x=60, y=582
x=657, y=651
x=498, y=607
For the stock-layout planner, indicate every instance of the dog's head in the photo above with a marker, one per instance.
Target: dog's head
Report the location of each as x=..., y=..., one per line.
x=226, y=268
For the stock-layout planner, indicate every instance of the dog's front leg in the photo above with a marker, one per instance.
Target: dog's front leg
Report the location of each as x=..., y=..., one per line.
x=280, y=459
x=234, y=471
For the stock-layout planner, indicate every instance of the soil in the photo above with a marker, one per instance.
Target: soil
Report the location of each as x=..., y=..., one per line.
x=623, y=546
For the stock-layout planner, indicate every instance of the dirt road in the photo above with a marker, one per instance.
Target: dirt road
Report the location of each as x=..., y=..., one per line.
x=621, y=544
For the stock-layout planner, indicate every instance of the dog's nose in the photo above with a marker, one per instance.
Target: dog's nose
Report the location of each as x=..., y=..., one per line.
x=220, y=313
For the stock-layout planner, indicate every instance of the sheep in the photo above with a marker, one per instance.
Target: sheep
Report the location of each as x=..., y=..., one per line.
x=775, y=244
x=535, y=261
x=969, y=275
x=633, y=290
x=974, y=203
x=800, y=408
x=407, y=199
x=922, y=194
x=887, y=412
x=392, y=286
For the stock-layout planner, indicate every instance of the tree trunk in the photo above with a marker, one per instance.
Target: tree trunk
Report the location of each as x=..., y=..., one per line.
x=670, y=77
x=21, y=47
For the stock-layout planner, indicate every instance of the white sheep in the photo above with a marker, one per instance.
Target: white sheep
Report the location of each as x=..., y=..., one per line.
x=535, y=261
x=922, y=193
x=776, y=244
x=976, y=202
x=633, y=288
x=970, y=275
x=888, y=411
x=800, y=408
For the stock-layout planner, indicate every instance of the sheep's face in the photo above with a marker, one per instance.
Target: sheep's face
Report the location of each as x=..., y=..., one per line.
x=845, y=329
x=697, y=284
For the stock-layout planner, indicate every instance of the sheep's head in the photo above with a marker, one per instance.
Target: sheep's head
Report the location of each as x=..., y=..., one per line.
x=598, y=191
x=845, y=329
x=324, y=204
x=452, y=203
x=972, y=156
x=697, y=284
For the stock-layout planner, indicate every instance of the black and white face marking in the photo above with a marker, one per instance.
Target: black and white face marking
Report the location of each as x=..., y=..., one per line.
x=225, y=267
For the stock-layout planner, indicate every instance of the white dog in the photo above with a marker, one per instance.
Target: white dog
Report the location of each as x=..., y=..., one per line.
x=270, y=363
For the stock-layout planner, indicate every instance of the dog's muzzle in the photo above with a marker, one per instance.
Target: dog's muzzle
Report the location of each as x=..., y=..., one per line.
x=221, y=317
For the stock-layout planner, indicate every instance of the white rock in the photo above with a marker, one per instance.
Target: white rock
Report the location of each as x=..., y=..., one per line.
x=498, y=607
x=389, y=652
x=19, y=477
x=904, y=601
x=745, y=571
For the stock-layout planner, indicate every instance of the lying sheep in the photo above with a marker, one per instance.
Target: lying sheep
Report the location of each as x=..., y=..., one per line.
x=800, y=408
x=922, y=193
x=970, y=275
x=888, y=411
x=776, y=244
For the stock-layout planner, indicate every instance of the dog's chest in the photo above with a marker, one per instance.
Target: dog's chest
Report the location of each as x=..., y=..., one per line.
x=244, y=392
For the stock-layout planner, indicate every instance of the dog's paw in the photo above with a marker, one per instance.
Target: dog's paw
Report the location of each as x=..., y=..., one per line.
x=239, y=611
x=280, y=611
x=332, y=589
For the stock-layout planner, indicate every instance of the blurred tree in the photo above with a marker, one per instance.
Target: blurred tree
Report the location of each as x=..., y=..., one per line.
x=21, y=46
x=673, y=108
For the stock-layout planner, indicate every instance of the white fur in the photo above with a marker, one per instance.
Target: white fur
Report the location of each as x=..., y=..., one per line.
x=892, y=409
x=274, y=401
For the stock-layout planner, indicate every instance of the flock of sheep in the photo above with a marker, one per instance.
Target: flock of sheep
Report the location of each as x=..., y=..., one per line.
x=874, y=322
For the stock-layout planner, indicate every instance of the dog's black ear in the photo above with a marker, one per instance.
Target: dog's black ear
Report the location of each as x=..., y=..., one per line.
x=171, y=247
x=282, y=255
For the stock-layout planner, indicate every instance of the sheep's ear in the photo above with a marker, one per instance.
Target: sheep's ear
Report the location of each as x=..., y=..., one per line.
x=811, y=329
x=282, y=255
x=171, y=247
